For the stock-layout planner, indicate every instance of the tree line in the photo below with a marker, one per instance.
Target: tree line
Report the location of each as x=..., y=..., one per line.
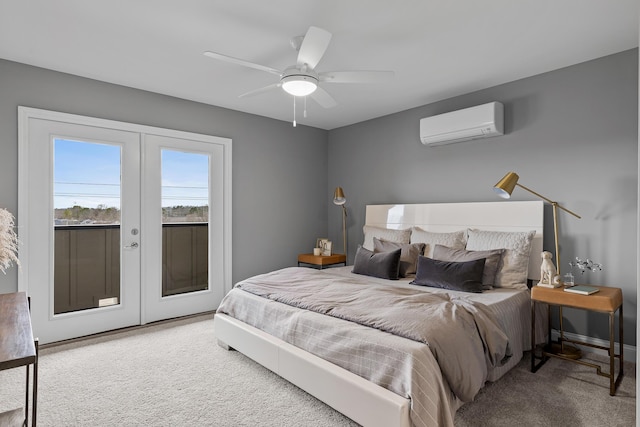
x=110, y=215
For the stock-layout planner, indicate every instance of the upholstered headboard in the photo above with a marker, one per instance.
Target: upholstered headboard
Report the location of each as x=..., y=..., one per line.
x=449, y=217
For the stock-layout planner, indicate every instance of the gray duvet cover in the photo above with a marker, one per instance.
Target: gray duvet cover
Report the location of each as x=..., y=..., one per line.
x=453, y=334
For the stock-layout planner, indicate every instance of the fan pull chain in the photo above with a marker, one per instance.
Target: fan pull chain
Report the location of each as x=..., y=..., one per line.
x=294, y=111
x=305, y=107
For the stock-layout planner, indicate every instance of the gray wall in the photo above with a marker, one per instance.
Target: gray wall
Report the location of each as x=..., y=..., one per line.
x=278, y=210
x=571, y=135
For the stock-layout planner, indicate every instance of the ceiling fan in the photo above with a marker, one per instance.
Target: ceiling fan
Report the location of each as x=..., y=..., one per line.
x=302, y=79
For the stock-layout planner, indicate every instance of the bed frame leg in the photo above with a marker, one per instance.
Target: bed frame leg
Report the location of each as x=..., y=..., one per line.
x=225, y=346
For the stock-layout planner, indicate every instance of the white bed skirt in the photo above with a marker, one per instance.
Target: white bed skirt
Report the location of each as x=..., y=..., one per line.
x=363, y=401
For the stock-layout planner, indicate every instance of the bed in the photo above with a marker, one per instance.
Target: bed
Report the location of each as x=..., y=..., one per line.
x=364, y=361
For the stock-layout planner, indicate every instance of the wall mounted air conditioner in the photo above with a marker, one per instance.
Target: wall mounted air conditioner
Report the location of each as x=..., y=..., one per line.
x=482, y=121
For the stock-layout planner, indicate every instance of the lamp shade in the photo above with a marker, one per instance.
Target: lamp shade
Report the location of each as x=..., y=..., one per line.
x=338, y=196
x=297, y=85
x=505, y=186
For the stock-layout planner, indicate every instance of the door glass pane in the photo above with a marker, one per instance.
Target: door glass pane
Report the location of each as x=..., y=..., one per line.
x=185, y=222
x=86, y=200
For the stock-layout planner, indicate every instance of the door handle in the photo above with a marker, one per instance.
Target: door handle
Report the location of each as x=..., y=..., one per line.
x=132, y=245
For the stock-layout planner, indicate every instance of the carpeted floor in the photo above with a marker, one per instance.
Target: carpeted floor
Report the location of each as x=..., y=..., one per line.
x=174, y=374
x=559, y=394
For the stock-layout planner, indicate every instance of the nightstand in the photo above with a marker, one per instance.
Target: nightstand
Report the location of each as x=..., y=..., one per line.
x=607, y=300
x=319, y=261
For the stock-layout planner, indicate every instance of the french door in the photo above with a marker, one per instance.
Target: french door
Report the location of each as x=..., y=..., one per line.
x=119, y=224
x=191, y=173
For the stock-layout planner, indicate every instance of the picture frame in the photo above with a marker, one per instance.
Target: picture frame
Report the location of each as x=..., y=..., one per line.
x=319, y=241
x=325, y=245
x=326, y=251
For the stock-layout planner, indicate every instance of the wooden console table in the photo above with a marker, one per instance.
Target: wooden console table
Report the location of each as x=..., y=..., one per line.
x=18, y=348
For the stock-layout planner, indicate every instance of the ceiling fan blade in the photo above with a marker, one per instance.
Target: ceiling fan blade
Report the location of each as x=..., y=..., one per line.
x=259, y=91
x=313, y=46
x=242, y=62
x=356, y=76
x=323, y=98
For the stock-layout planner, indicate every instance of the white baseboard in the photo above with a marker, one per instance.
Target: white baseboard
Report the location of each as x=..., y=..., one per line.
x=629, y=350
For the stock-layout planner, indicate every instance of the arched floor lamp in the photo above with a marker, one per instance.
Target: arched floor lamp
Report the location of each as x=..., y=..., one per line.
x=505, y=187
x=339, y=199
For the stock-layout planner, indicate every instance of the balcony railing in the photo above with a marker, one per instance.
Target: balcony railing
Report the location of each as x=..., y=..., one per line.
x=87, y=263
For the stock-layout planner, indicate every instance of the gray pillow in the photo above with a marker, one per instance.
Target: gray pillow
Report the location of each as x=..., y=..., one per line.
x=392, y=235
x=493, y=258
x=384, y=265
x=514, y=266
x=455, y=276
x=455, y=239
x=409, y=253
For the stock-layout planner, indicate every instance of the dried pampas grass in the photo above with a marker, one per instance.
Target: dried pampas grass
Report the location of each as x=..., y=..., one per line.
x=8, y=241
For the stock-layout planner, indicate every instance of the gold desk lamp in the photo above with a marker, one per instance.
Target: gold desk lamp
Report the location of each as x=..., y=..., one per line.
x=504, y=188
x=339, y=199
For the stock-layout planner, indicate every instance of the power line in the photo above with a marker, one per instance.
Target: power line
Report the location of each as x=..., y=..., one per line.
x=106, y=196
x=118, y=185
x=84, y=183
x=177, y=186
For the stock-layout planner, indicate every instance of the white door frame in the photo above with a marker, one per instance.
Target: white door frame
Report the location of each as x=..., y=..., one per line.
x=25, y=114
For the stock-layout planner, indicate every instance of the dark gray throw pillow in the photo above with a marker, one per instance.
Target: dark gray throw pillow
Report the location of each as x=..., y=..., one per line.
x=455, y=276
x=408, y=255
x=491, y=265
x=384, y=265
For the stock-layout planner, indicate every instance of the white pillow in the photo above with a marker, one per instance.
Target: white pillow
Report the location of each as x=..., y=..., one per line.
x=388, y=234
x=515, y=259
x=454, y=240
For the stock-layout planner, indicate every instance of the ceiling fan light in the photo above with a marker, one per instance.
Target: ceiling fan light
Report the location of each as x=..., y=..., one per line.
x=298, y=85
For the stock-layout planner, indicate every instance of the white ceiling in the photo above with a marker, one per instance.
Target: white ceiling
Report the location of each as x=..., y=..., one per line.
x=437, y=48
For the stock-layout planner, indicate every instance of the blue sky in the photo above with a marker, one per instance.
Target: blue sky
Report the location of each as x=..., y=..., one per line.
x=88, y=174
x=184, y=178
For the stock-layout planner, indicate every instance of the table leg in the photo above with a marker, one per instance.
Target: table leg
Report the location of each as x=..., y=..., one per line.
x=533, y=335
x=614, y=381
x=35, y=386
x=612, y=320
x=26, y=400
x=621, y=340
x=561, y=330
x=543, y=358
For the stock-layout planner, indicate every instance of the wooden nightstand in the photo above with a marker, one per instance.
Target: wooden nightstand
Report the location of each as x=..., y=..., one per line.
x=320, y=261
x=606, y=300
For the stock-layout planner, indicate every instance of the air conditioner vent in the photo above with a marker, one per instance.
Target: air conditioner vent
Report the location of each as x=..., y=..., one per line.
x=482, y=121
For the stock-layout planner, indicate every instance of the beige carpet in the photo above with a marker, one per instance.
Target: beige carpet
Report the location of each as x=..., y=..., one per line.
x=174, y=374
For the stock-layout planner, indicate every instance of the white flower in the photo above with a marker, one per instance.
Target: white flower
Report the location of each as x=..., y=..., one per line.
x=8, y=241
x=586, y=265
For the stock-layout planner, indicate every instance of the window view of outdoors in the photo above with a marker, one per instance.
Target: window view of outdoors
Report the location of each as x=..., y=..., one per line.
x=185, y=187
x=185, y=222
x=87, y=192
x=86, y=200
x=86, y=183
